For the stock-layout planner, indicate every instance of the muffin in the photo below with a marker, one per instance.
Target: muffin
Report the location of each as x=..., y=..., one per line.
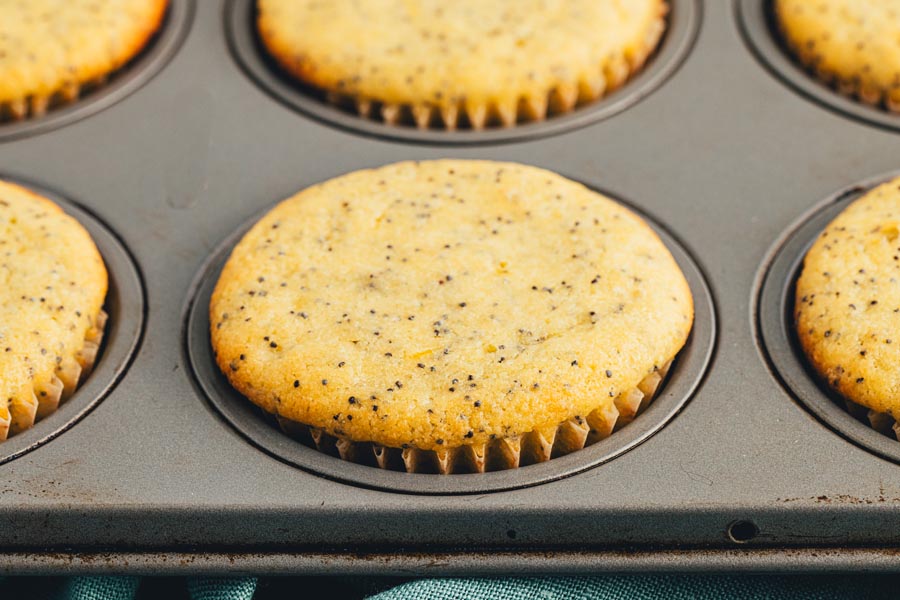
x=53, y=50
x=850, y=44
x=461, y=64
x=51, y=307
x=847, y=306
x=449, y=316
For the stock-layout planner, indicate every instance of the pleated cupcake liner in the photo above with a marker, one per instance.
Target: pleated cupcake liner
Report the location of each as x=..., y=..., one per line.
x=883, y=423
x=854, y=88
x=24, y=410
x=563, y=98
x=537, y=446
x=886, y=99
x=37, y=105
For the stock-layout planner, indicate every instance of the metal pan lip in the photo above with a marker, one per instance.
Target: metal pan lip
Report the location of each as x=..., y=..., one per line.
x=126, y=306
x=131, y=77
x=686, y=376
x=756, y=22
x=684, y=21
x=774, y=329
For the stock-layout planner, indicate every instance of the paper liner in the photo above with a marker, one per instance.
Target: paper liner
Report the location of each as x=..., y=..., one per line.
x=563, y=98
x=881, y=422
x=886, y=98
x=540, y=445
x=26, y=409
x=37, y=105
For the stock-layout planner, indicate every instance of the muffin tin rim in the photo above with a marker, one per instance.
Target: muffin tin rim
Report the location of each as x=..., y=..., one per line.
x=683, y=26
x=774, y=329
x=688, y=372
x=756, y=24
x=126, y=80
x=124, y=329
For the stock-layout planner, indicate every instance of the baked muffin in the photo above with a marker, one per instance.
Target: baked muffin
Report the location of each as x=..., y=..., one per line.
x=51, y=307
x=450, y=316
x=848, y=305
x=850, y=44
x=461, y=64
x=52, y=50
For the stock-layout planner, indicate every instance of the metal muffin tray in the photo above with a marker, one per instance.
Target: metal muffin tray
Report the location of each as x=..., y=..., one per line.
x=732, y=153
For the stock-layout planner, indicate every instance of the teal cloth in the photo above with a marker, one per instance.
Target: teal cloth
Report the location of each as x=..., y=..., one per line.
x=122, y=588
x=100, y=588
x=648, y=587
x=230, y=588
x=607, y=587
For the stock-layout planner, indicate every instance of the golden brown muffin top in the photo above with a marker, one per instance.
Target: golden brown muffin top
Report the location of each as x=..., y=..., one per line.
x=52, y=287
x=848, y=301
x=444, y=303
x=47, y=45
x=482, y=59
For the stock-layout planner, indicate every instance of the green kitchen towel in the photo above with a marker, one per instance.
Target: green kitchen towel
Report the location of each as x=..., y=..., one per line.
x=100, y=588
x=122, y=588
x=606, y=587
x=649, y=587
x=226, y=588
x=126, y=588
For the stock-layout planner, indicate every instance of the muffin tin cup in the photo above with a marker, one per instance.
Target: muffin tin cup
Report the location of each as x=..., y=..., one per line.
x=757, y=22
x=782, y=349
x=103, y=93
x=124, y=307
x=683, y=378
x=683, y=22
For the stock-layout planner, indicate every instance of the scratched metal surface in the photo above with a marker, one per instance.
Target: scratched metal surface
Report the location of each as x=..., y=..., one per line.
x=722, y=154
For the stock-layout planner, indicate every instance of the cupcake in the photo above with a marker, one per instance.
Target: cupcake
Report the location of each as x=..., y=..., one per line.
x=847, y=306
x=51, y=307
x=849, y=44
x=52, y=51
x=449, y=316
x=461, y=64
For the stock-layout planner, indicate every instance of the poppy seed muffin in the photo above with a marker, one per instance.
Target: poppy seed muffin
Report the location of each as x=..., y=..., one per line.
x=50, y=50
x=469, y=314
x=847, y=307
x=851, y=44
x=466, y=63
x=51, y=307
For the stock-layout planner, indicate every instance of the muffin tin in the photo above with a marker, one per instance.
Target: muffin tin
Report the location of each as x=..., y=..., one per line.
x=741, y=463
